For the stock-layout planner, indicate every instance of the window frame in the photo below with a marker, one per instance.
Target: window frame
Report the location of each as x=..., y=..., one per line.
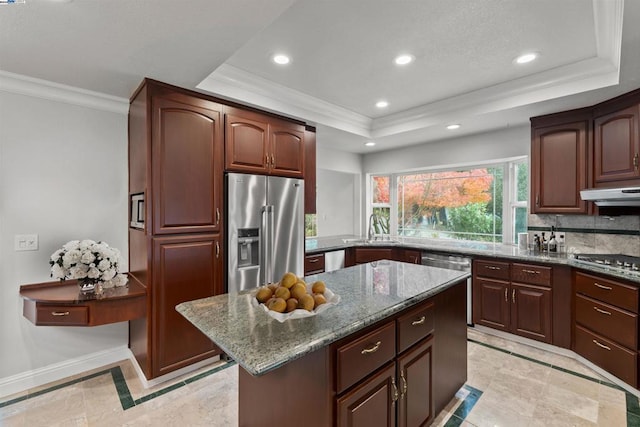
x=509, y=192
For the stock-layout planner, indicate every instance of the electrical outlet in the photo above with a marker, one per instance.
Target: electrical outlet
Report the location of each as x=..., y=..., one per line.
x=26, y=242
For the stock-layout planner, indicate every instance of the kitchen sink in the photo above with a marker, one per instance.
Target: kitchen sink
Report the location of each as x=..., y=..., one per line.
x=378, y=242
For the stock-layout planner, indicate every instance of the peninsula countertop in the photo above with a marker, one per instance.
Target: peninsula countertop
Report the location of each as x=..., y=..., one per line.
x=369, y=293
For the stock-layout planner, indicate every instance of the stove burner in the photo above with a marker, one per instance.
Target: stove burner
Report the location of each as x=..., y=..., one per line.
x=616, y=261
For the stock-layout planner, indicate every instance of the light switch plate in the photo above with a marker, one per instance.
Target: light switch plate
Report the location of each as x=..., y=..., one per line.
x=26, y=242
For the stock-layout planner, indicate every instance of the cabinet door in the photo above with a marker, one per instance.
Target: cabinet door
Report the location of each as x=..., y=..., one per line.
x=559, y=168
x=617, y=146
x=184, y=269
x=287, y=150
x=186, y=166
x=531, y=311
x=364, y=255
x=415, y=405
x=372, y=403
x=310, y=171
x=491, y=303
x=246, y=142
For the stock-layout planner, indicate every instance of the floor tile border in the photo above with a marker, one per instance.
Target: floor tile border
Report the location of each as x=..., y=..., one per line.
x=462, y=411
x=122, y=388
x=632, y=402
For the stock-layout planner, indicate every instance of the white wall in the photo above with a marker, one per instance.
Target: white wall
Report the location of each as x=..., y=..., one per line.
x=472, y=149
x=338, y=191
x=63, y=176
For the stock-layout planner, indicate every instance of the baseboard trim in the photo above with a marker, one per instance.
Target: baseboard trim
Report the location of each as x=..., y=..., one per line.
x=171, y=375
x=58, y=371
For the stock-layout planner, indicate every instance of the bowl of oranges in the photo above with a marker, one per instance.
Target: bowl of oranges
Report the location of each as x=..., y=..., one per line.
x=293, y=298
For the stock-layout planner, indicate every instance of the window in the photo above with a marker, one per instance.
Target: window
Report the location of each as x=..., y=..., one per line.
x=310, y=225
x=380, y=204
x=487, y=203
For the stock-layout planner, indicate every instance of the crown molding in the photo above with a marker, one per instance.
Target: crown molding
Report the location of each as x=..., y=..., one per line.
x=233, y=83
x=44, y=89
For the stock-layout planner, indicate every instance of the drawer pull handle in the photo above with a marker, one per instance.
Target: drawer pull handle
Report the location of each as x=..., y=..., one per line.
x=601, y=345
x=313, y=260
x=372, y=349
x=419, y=321
x=602, y=311
x=394, y=396
x=491, y=267
x=59, y=313
x=606, y=288
x=531, y=271
x=404, y=385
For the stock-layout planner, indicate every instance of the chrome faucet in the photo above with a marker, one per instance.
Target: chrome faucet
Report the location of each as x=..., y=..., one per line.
x=370, y=233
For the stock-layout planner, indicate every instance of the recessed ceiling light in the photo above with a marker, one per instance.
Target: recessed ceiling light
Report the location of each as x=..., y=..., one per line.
x=370, y=144
x=281, y=59
x=527, y=57
x=453, y=126
x=382, y=104
x=404, y=59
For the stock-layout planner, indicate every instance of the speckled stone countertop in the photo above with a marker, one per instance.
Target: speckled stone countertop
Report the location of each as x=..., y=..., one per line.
x=369, y=293
x=467, y=248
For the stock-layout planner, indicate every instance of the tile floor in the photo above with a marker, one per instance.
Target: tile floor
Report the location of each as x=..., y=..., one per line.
x=509, y=384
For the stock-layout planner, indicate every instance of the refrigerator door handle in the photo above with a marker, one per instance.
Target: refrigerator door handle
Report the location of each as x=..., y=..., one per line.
x=263, y=245
x=269, y=242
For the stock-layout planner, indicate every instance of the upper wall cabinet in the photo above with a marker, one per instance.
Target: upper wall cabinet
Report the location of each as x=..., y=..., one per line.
x=558, y=165
x=257, y=143
x=616, y=147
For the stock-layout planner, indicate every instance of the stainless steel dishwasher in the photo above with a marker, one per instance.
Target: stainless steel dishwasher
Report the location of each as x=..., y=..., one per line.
x=452, y=262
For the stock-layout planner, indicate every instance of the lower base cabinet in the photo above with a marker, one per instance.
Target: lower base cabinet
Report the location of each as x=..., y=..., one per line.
x=415, y=404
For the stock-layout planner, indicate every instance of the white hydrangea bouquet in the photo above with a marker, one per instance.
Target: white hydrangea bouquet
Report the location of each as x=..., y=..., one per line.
x=88, y=261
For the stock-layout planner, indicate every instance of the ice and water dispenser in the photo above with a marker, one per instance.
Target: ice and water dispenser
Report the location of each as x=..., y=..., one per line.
x=248, y=247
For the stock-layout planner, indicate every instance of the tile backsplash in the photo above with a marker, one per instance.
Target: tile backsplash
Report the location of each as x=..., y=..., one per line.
x=591, y=234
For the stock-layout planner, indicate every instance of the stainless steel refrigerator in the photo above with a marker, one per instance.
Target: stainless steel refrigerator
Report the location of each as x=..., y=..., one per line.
x=265, y=229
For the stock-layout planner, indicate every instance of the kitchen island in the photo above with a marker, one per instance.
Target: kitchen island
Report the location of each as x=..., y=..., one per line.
x=394, y=346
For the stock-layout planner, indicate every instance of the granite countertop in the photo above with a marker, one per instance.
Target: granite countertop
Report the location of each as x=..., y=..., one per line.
x=466, y=248
x=369, y=293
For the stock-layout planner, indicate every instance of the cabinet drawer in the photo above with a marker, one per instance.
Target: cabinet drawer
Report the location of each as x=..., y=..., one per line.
x=62, y=315
x=533, y=274
x=364, y=355
x=313, y=264
x=608, y=355
x=608, y=321
x=414, y=326
x=364, y=255
x=491, y=269
x=608, y=291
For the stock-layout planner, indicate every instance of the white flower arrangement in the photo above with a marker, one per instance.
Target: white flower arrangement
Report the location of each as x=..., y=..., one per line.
x=86, y=259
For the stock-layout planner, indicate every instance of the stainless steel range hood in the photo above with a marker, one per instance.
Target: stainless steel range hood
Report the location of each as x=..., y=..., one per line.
x=628, y=196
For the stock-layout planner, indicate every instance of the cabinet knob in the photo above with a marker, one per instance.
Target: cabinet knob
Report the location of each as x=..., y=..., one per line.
x=606, y=288
x=217, y=216
x=404, y=384
x=537, y=200
x=513, y=296
x=506, y=295
x=601, y=345
x=59, y=313
x=419, y=321
x=635, y=161
x=394, y=396
x=217, y=250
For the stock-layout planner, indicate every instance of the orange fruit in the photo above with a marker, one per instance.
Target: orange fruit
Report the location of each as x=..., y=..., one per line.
x=288, y=280
x=306, y=302
x=277, y=304
x=263, y=294
x=319, y=299
x=298, y=290
x=318, y=287
x=282, y=292
x=292, y=304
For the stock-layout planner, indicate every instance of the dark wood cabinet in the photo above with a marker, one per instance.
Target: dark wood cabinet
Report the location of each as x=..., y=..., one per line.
x=514, y=297
x=372, y=403
x=256, y=143
x=313, y=264
x=559, y=167
x=310, y=170
x=362, y=255
x=415, y=404
x=606, y=324
x=617, y=146
x=176, y=149
x=185, y=268
x=186, y=169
